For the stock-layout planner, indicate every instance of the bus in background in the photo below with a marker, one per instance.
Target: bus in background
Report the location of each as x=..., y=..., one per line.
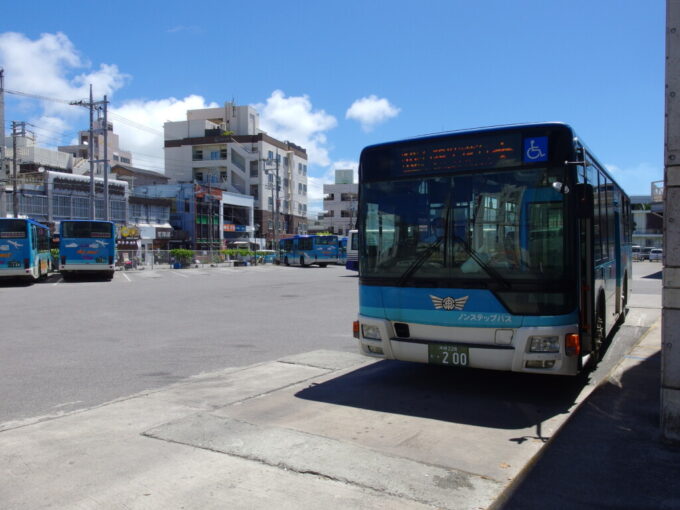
x=352, y=263
x=342, y=251
x=305, y=250
x=24, y=249
x=501, y=248
x=87, y=247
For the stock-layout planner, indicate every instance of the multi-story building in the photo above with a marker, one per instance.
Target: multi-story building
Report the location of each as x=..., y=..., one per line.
x=647, y=222
x=30, y=157
x=224, y=149
x=340, y=204
x=203, y=218
x=81, y=150
x=50, y=197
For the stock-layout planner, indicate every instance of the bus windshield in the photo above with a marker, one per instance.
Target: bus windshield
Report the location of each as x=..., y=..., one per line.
x=13, y=229
x=86, y=229
x=499, y=226
x=326, y=240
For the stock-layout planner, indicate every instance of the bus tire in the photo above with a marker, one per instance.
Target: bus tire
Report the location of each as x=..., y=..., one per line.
x=285, y=261
x=624, y=299
x=599, y=335
x=323, y=265
x=302, y=261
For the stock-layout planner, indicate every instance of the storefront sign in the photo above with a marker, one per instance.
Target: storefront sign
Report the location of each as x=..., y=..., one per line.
x=129, y=232
x=163, y=233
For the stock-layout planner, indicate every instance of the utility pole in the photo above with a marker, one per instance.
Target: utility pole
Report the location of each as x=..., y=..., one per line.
x=276, y=205
x=91, y=104
x=2, y=124
x=107, y=213
x=670, y=339
x=15, y=179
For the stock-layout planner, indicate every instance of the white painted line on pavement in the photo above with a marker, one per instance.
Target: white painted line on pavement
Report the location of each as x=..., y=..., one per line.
x=127, y=277
x=178, y=274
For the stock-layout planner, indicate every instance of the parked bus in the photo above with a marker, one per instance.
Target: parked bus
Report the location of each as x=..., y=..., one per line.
x=24, y=249
x=352, y=263
x=304, y=250
x=342, y=251
x=87, y=247
x=502, y=248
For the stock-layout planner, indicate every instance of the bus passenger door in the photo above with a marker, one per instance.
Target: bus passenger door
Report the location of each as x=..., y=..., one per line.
x=584, y=210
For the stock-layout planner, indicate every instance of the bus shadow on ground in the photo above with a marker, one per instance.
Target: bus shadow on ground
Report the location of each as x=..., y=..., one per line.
x=483, y=398
x=75, y=278
x=16, y=282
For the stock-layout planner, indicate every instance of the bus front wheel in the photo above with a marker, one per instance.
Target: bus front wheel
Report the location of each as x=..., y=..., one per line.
x=599, y=336
x=285, y=261
x=302, y=261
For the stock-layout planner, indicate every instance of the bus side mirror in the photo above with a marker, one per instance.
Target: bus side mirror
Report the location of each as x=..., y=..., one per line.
x=584, y=200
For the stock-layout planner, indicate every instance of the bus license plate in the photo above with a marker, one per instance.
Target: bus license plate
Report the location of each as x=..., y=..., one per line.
x=448, y=354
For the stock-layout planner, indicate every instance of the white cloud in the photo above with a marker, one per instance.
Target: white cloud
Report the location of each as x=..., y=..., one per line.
x=49, y=65
x=294, y=119
x=144, y=135
x=636, y=179
x=371, y=111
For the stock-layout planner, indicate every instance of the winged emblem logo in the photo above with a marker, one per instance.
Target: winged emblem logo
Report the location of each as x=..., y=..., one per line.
x=448, y=303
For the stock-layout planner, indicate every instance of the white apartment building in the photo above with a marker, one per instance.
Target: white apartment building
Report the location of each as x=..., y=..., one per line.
x=31, y=158
x=340, y=204
x=224, y=148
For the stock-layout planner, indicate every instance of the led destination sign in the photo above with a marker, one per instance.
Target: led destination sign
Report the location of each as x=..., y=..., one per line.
x=460, y=154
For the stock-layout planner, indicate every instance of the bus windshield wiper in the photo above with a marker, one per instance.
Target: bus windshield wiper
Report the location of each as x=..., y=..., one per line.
x=474, y=254
x=419, y=261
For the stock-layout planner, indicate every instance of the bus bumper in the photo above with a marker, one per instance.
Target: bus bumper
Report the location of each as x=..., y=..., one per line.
x=16, y=272
x=86, y=267
x=488, y=348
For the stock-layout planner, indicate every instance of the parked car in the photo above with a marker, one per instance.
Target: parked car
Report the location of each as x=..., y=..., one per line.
x=644, y=254
x=656, y=255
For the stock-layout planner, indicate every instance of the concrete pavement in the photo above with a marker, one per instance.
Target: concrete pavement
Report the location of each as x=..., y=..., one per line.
x=334, y=429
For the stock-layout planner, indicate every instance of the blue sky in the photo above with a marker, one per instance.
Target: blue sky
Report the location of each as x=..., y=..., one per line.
x=337, y=76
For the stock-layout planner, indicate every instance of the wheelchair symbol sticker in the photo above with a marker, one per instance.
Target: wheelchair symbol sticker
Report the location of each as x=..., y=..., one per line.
x=536, y=149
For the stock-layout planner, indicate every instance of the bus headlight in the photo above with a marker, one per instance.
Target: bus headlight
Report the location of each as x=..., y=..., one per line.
x=544, y=344
x=371, y=332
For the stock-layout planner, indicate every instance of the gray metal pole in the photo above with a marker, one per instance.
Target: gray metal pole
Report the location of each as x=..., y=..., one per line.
x=15, y=181
x=276, y=204
x=2, y=123
x=670, y=343
x=107, y=213
x=90, y=152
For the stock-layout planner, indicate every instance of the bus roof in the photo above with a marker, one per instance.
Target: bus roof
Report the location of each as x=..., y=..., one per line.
x=28, y=220
x=475, y=131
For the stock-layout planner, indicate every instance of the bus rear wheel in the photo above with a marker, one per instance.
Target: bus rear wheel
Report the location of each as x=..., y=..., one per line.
x=302, y=261
x=599, y=336
x=285, y=261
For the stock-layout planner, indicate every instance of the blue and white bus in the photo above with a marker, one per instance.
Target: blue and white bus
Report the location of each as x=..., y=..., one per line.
x=352, y=263
x=24, y=249
x=342, y=251
x=305, y=250
x=502, y=248
x=87, y=247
